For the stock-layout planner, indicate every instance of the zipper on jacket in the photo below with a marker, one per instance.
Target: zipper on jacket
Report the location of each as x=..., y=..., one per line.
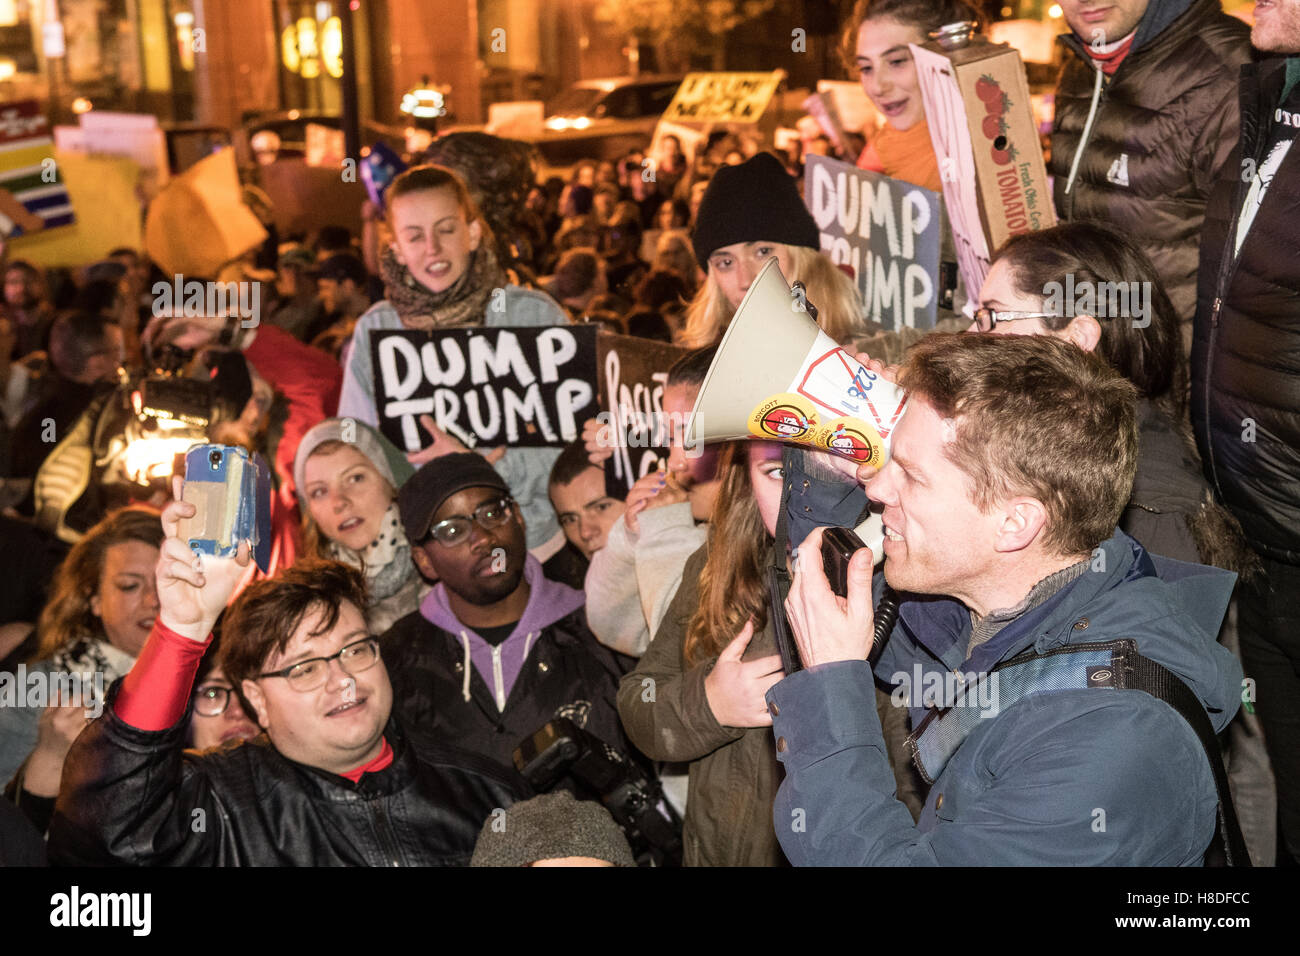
x=383, y=827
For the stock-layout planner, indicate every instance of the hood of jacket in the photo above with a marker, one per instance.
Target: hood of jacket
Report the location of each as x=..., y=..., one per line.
x=1160, y=15
x=1172, y=609
x=499, y=666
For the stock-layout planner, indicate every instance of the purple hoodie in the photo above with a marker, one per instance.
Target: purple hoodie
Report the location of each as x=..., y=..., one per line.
x=548, y=601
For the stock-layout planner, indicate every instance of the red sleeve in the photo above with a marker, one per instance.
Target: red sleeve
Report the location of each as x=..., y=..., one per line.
x=306, y=376
x=154, y=694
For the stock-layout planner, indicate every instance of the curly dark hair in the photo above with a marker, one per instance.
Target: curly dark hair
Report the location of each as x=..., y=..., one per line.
x=499, y=173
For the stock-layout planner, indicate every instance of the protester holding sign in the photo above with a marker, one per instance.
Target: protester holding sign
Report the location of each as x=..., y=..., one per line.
x=442, y=271
x=875, y=49
x=750, y=213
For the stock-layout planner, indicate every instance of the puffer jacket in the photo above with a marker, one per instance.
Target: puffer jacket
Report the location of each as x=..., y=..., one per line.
x=1026, y=786
x=1161, y=128
x=526, y=470
x=452, y=686
x=733, y=773
x=1246, y=353
x=138, y=798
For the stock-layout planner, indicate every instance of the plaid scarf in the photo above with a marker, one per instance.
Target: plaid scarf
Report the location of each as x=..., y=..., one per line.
x=465, y=303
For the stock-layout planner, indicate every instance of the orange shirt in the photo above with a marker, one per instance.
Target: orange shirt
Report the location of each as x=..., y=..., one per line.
x=907, y=155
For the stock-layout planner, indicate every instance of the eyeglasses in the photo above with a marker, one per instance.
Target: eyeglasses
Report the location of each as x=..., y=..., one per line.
x=455, y=531
x=211, y=700
x=312, y=673
x=985, y=319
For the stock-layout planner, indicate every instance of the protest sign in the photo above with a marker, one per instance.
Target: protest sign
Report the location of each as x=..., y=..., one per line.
x=524, y=387
x=887, y=230
x=723, y=97
x=199, y=222
x=633, y=374
x=103, y=190
x=33, y=196
x=985, y=138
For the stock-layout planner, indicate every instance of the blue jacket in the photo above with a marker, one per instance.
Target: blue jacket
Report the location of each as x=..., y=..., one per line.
x=1078, y=777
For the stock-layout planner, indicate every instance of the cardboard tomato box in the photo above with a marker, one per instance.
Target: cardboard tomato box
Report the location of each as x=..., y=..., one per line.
x=982, y=126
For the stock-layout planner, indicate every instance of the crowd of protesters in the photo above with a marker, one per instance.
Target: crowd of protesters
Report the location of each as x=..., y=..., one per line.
x=465, y=655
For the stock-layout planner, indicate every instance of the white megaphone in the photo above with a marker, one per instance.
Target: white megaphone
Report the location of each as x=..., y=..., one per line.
x=779, y=377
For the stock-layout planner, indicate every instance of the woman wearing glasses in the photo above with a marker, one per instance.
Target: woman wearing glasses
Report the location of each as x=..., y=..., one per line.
x=347, y=476
x=1086, y=283
x=218, y=713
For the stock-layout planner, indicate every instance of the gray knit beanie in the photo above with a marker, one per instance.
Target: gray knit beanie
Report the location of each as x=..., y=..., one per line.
x=551, y=827
x=383, y=454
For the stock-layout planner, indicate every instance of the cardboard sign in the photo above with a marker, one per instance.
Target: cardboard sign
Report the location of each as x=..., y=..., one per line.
x=135, y=135
x=33, y=196
x=982, y=127
x=887, y=230
x=103, y=188
x=633, y=375
x=199, y=222
x=723, y=97
x=525, y=387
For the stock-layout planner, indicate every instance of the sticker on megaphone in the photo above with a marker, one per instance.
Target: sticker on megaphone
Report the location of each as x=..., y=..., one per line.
x=834, y=403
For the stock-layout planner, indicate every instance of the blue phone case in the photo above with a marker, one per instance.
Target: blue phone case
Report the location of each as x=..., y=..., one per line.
x=235, y=491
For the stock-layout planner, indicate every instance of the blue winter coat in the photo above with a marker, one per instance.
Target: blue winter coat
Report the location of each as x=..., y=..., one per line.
x=1077, y=777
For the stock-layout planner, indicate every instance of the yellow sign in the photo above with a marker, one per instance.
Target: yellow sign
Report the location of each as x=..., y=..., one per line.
x=723, y=97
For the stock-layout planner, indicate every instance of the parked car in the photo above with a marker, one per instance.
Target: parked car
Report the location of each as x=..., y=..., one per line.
x=603, y=119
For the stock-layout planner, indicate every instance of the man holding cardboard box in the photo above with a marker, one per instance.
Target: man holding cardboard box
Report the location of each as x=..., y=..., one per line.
x=1146, y=115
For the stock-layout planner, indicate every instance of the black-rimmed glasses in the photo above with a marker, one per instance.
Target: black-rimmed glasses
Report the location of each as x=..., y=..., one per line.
x=986, y=319
x=309, y=674
x=454, y=531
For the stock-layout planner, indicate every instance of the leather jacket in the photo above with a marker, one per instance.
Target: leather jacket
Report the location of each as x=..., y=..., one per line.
x=138, y=797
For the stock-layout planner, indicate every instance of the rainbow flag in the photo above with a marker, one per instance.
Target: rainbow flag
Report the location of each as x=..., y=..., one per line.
x=33, y=196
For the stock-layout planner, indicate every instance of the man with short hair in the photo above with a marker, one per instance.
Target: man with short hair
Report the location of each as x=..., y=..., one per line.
x=341, y=284
x=577, y=490
x=334, y=780
x=496, y=649
x=1246, y=381
x=1005, y=480
x=1145, y=117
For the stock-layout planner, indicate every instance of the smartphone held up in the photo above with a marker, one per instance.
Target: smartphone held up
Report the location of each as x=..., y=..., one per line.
x=231, y=492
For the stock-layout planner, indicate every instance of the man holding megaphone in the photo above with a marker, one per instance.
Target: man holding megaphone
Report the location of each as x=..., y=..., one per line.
x=1064, y=685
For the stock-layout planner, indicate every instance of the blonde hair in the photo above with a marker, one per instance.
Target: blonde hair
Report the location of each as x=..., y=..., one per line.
x=830, y=290
x=314, y=541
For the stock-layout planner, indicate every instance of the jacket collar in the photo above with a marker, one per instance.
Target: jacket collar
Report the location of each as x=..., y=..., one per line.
x=1165, y=22
x=943, y=625
x=389, y=780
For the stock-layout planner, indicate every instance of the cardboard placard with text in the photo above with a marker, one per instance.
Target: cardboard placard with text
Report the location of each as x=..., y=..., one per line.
x=887, y=231
x=633, y=375
x=520, y=387
x=723, y=97
x=985, y=138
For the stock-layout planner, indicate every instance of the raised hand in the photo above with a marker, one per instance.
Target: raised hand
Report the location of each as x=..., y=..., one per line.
x=446, y=444
x=652, y=490
x=193, y=589
x=598, y=439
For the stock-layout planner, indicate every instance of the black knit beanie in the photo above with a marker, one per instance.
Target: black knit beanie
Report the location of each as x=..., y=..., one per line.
x=753, y=201
x=552, y=826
